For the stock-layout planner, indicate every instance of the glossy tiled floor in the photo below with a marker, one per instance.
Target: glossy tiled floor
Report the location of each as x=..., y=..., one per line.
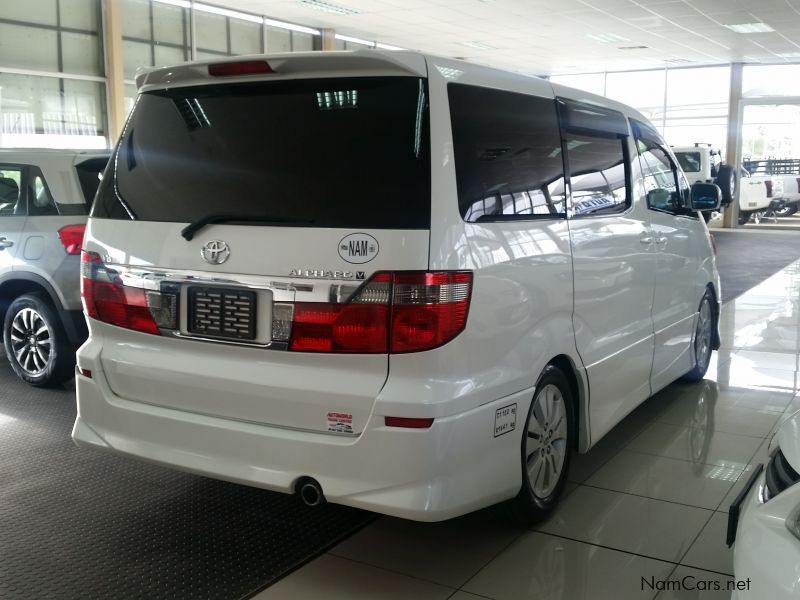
x=649, y=501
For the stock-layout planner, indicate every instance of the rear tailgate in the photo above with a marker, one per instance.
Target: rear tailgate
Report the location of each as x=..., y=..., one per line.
x=238, y=380
x=317, y=183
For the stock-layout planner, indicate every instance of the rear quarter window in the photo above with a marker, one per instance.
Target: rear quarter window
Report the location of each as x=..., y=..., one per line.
x=507, y=154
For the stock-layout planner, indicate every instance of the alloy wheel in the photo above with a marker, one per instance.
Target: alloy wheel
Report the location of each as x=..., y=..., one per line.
x=31, y=341
x=702, y=337
x=546, y=441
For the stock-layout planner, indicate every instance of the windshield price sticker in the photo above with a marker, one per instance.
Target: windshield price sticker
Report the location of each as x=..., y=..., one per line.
x=505, y=420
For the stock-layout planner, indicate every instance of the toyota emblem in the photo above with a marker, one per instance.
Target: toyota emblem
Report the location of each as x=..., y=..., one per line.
x=215, y=252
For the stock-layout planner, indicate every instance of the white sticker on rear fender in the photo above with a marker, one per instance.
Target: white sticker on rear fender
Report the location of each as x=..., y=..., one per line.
x=358, y=248
x=505, y=420
x=340, y=422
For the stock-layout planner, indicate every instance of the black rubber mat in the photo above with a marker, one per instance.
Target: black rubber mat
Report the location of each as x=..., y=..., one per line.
x=83, y=524
x=746, y=258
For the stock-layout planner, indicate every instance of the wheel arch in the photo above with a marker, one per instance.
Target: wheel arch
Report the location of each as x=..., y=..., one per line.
x=15, y=284
x=579, y=398
x=716, y=340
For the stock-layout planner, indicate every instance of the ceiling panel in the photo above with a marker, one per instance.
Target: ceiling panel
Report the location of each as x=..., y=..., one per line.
x=545, y=36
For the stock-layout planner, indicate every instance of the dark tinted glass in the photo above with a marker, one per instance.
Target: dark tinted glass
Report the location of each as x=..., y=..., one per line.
x=507, y=154
x=12, y=201
x=89, y=172
x=585, y=116
x=350, y=153
x=598, y=174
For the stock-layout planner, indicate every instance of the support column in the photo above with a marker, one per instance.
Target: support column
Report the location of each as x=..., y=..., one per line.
x=115, y=77
x=733, y=152
x=329, y=39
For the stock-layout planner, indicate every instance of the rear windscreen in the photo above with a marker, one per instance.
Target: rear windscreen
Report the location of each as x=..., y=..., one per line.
x=349, y=153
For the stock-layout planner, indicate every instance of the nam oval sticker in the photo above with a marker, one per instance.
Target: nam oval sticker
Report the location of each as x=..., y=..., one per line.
x=358, y=248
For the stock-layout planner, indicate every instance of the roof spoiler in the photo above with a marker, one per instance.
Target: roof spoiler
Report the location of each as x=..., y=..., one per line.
x=323, y=64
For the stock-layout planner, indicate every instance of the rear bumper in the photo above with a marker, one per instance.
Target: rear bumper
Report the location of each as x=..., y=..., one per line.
x=454, y=467
x=766, y=554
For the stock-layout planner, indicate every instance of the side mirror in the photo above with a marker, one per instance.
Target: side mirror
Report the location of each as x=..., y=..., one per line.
x=705, y=196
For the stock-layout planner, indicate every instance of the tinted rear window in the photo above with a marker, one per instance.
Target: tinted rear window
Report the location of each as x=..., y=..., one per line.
x=507, y=155
x=350, y=153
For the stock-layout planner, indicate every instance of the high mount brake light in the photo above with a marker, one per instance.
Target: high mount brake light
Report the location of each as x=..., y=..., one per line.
x=404, y=311
x=242, y=67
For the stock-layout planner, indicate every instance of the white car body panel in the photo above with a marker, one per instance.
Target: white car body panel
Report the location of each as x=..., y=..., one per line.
x=788, y=438
x=579, y=291
x=766, y=551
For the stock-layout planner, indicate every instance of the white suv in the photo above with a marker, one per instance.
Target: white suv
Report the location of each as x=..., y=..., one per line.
x=402, y=283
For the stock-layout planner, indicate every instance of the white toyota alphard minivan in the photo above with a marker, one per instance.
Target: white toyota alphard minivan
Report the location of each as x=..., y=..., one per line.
x=393, y=281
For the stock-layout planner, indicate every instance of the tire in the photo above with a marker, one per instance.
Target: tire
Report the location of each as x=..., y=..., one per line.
x=744, y=216
x=787, y=211
x=726, y=180
x=703, y=337
x=35, y=342
x=551, y=417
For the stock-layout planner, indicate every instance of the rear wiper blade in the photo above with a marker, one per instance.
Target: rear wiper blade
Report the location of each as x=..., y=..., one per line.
x=189, y=231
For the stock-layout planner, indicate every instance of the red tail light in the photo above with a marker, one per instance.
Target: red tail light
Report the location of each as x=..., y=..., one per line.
x=242, y=67
x=321, y=327
x=428, y=309
x=392, y=312
x=106, y=299
x=406, y=311
x=71, y=237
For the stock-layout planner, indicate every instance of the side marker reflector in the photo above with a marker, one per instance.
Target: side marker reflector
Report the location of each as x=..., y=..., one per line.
x=408, y=423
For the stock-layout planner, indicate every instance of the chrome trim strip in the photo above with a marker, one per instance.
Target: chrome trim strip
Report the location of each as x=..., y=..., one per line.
x=282, y=291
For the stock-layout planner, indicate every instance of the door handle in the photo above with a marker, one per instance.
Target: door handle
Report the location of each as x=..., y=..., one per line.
x=5, y=243
x=646, y=238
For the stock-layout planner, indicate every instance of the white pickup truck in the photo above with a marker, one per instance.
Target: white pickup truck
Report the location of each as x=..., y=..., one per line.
x=703, y=163
x=785, y=177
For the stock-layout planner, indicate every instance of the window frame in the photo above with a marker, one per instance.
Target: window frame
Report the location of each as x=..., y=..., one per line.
x=27, y=174
x=589, y=126
x=641, y=134
x=498, y=196
x=23, y=186
x=33, y=171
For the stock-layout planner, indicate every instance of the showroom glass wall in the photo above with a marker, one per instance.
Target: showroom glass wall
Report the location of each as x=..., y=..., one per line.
x=687, y=105
x=771, y=115
x=690, y=104
x=162, y=32
x=52, y=80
